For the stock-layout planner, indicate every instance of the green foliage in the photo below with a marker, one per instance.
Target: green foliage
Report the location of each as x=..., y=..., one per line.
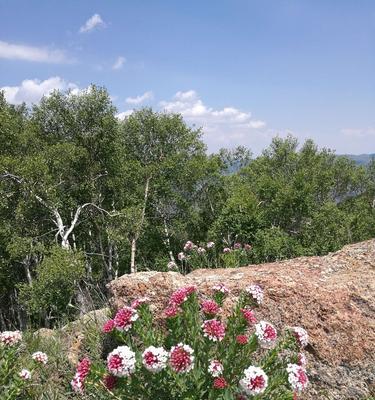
x=126, y=195
x=52, y=292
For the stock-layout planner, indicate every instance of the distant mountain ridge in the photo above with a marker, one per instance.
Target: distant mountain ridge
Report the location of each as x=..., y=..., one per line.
x=360, y=159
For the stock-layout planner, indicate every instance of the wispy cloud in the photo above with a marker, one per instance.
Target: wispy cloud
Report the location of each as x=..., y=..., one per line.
x=368, y=132
x=140, y=99
x=119, y=63
x=32, y=90
x=12, y=51
x=93, y=22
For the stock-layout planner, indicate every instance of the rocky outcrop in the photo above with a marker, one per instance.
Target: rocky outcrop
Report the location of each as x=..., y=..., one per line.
x=333, y=297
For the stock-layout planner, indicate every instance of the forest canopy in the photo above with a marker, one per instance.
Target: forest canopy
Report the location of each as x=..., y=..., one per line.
x=85, y=198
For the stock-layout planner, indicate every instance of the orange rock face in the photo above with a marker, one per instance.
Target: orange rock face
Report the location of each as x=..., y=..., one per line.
x=332, y=297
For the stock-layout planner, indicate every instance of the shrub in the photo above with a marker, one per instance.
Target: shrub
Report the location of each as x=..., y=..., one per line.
x=192, y=352
x=15, y=379
x=55, y=285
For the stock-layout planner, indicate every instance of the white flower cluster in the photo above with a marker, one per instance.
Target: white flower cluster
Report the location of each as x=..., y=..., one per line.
x=25, y=374
x=155, y=358
x=215, y=368
x=10, y=338
x=121, y=361
x=301, y=336
x=220, y=287
x=255, y=381
x=297, y=377
x=40, y=357
x=256, y=292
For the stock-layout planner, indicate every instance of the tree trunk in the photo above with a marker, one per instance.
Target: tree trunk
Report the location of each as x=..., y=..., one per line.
x=133, y=267
x=168, y=242
x=26, y=264
x=110, y=258
x=116, y=261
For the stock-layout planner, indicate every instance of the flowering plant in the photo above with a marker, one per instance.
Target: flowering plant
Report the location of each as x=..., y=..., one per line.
x=208, y=255
x=192, y=352
x=14, y=378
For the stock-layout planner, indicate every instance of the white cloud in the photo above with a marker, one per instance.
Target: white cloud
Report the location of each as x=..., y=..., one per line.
x=92, y=23
x=32, y=90
x=29, y=53
x=222, y=127
x=119, y=63
x=359, y=133
x=121, y=116
x=140, y=99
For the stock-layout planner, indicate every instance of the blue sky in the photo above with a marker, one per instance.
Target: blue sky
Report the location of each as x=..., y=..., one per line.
x=243, y=70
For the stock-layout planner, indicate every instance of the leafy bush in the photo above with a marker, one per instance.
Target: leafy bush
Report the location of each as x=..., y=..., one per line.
x=193, y=353
x=55, y=284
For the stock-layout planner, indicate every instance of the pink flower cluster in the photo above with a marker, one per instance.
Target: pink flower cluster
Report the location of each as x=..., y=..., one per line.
x=181, y=358
x=256, y=292
x=214, y=330
x=242, y=339
x=155, y=359
x=220, y=383
x=266, y=333
x=297, y=377
x=83, y=369
x=248, y=315
x=108, y=326
x=121, y=361
x=254, y=382
x=181, y=295
x=210, y=307
x=10, y=338
x=124, y=318
x=40, y=357
x=215, y=368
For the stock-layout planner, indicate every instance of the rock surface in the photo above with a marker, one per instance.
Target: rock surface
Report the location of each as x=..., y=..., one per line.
x=333, y=297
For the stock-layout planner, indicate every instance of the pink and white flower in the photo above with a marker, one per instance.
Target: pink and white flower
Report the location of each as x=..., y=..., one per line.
x=227, y=250
x=155, y=358
x=220, y=288
x=181, y=358
x=237, y=246
x=189, y=245
x=210, y=307
x=248, y=315
x=137, y=302
x=301, y=360
x=255, y=381
x=77, y=384
x=181, y=256
x=172, y=266
x=121, y=361
x=210, y=245
x=172, y=311
x=83, y=369
x=215, y=368
x=10, y=338
x=40, y=357
x=297, y=377
x=25, y=374
x=301, y=336
x=256, y=292
x=214, y=330
x=247, y=247
x=124, y=318
x=201, y=250
x=266, y=333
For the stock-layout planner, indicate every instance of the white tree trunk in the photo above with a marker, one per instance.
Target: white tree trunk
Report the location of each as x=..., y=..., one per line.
x=133, y=267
